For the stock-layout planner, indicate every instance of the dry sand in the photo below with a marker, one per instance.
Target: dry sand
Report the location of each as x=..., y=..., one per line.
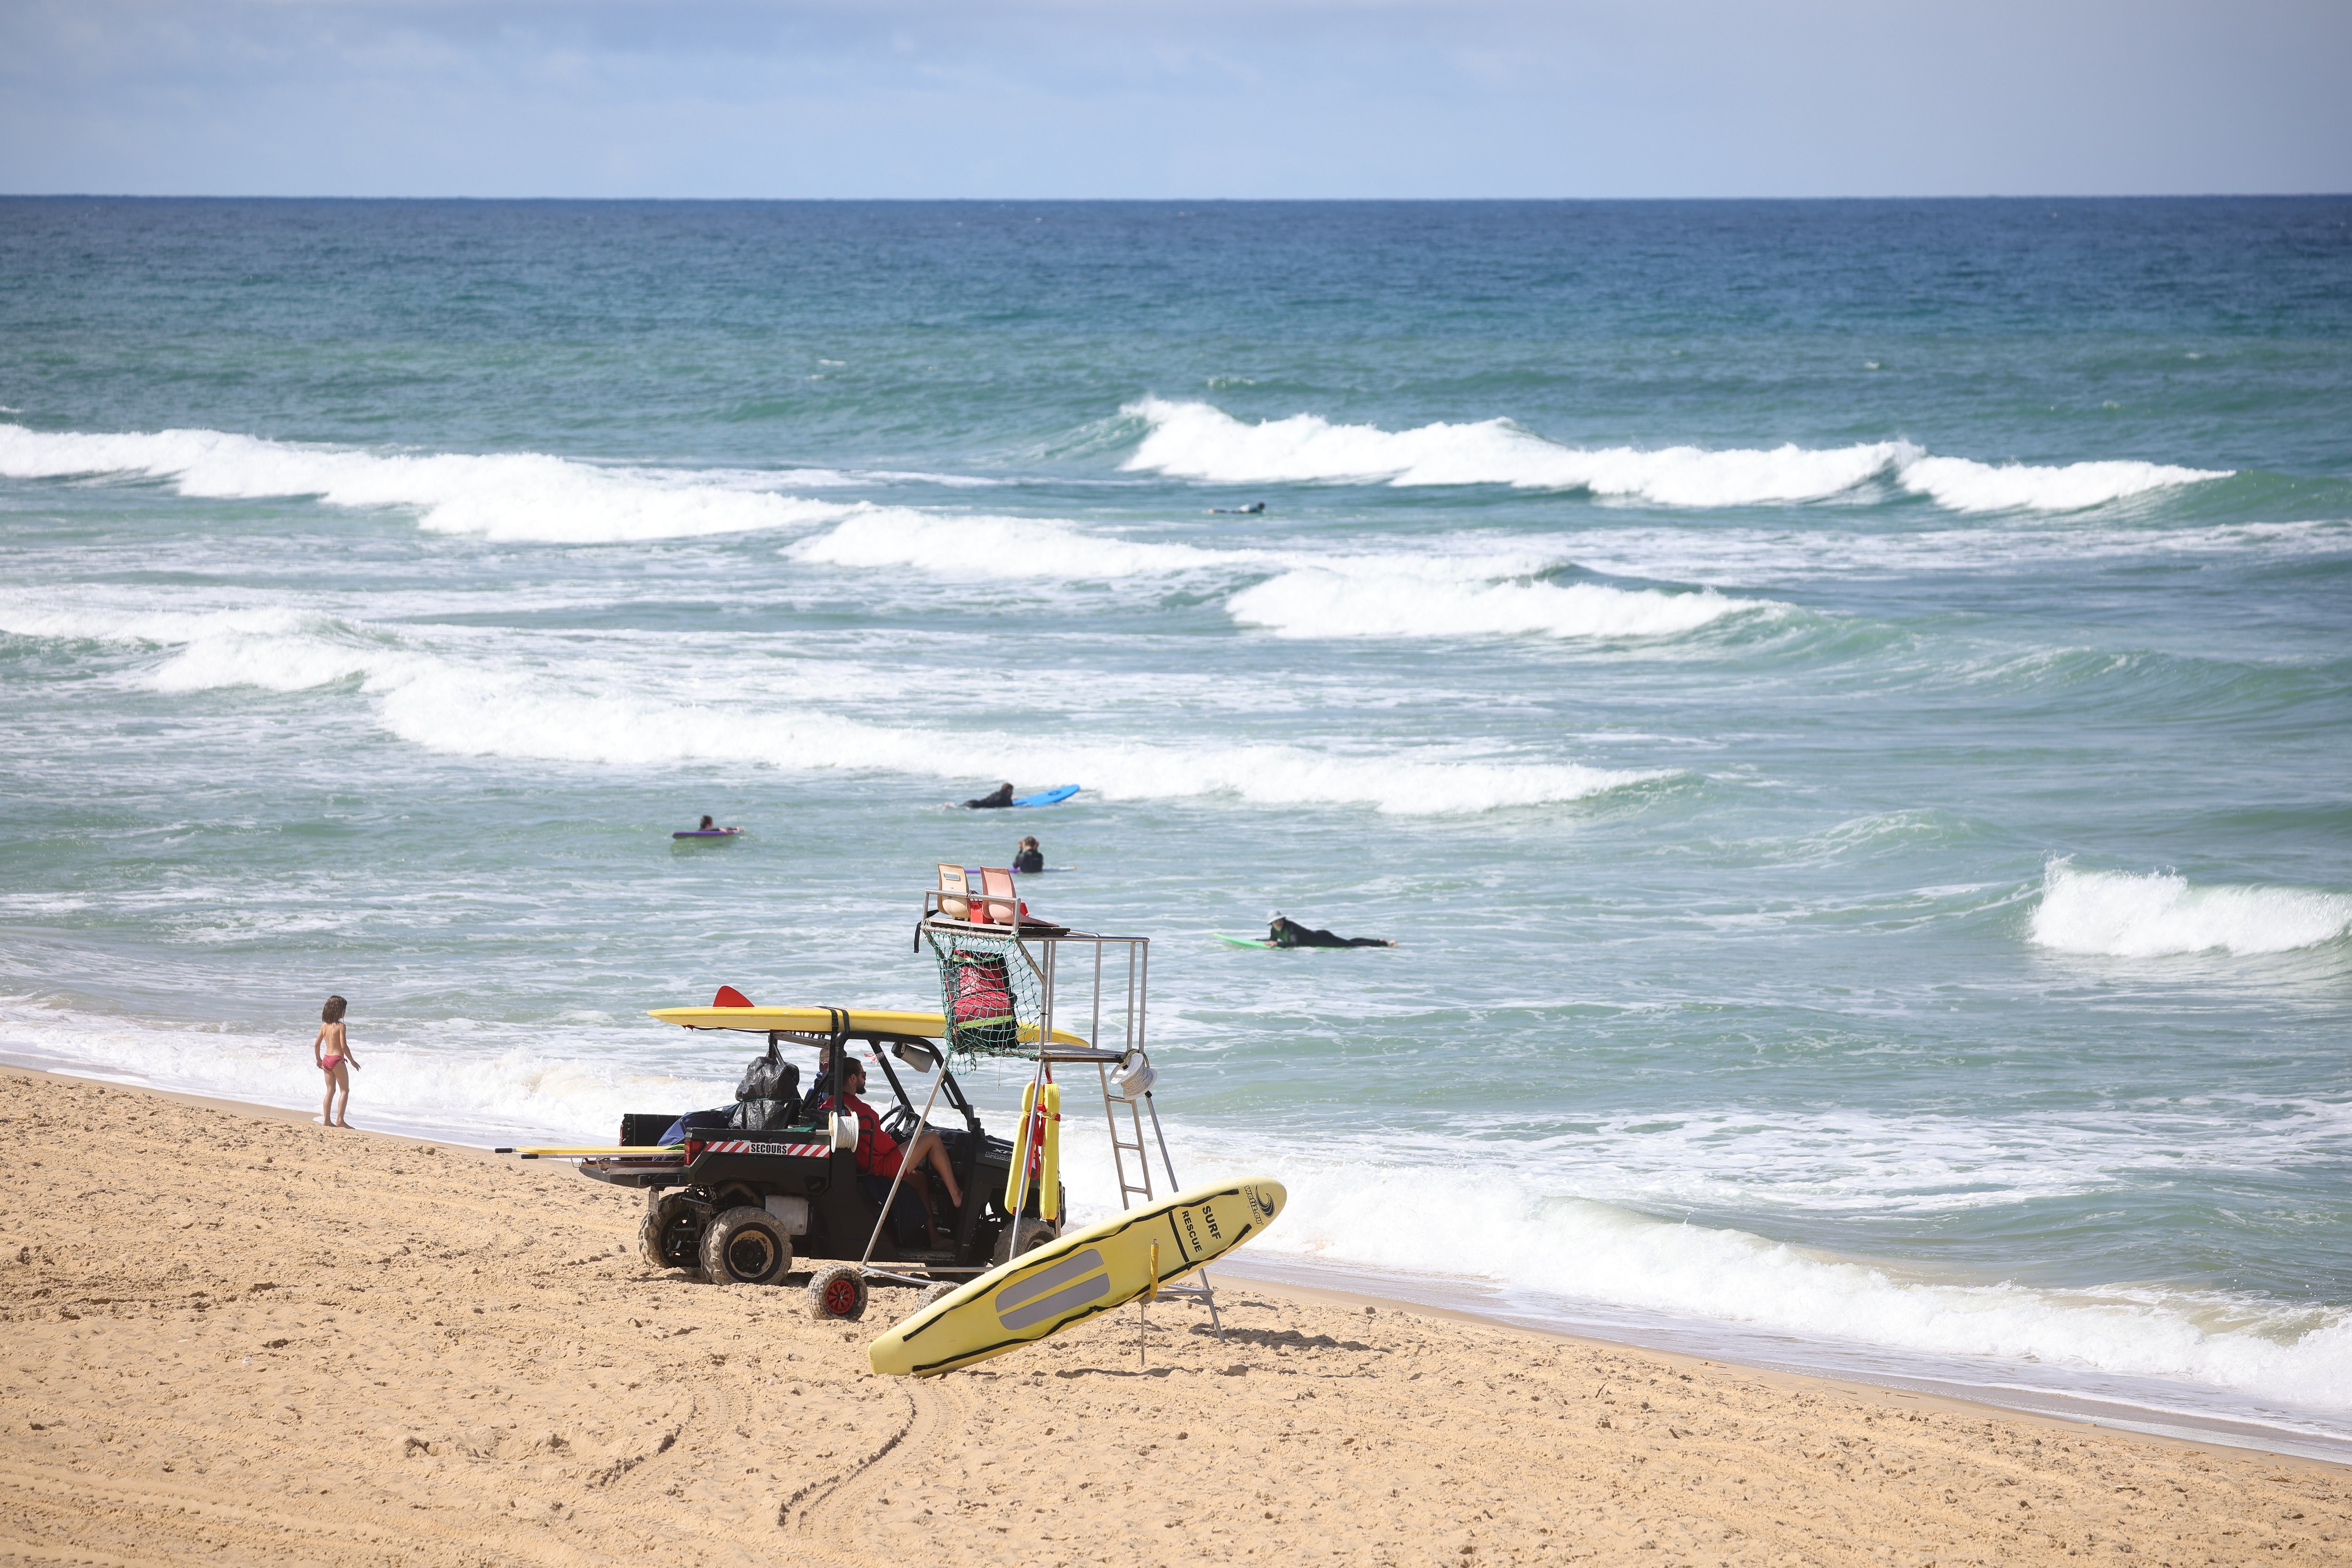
x=238, y=1337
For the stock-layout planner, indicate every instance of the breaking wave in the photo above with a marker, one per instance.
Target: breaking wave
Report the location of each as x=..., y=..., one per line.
x=1399, y=1216
x=1195, y=440
x=478, y=692
x=2123, y=914
x=1013, y=548
x=1321, y=603
x=514, y=497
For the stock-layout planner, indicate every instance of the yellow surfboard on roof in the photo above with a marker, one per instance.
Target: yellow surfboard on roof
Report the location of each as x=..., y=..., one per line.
x=819, y=1021
x=1080, y=1276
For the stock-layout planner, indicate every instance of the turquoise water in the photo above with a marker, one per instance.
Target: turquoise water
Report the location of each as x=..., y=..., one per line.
x=1842, y=706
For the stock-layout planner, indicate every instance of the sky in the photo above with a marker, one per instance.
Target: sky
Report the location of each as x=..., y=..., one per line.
x=1174, y=98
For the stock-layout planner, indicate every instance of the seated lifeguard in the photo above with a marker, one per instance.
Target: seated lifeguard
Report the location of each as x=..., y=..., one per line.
x=879, y=1155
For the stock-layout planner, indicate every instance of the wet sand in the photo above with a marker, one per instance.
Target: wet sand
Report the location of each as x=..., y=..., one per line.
x=238, y=1337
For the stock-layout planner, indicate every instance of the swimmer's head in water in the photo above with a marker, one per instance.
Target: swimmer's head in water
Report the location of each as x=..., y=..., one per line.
x=1029, y=843
x=705, y=825
x=333, y=1013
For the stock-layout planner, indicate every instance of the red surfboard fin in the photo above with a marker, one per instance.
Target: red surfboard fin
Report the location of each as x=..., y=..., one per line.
x=730, y=998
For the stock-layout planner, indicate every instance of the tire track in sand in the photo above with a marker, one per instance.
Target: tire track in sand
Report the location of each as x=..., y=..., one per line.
x=828, y=1512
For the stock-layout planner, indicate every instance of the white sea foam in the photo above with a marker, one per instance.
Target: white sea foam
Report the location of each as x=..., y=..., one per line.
x=1319, y=602
x=1756, y=556
x=2123, y=914
x=517, y=497
x=1013, y=548
x=1966, y=485
x=1452, y=1212
x=478, y=692
x=1387, y=595
x=1196, y=440
x=76, y=616
x=511, y=715
x=468, y=1079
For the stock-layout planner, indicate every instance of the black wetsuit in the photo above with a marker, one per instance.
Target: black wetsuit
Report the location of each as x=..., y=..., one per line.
x=1004, y=796
x=1287, y=932
x=1029, y=860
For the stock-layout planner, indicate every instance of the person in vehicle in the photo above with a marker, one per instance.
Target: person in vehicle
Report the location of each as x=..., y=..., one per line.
x=1283, y=932
x=879, y=1155
x=1028, y=858
x=1000, y=796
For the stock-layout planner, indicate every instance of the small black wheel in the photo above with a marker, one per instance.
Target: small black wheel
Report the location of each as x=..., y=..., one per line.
x=837, y=1291
x=1026, y=1234
x=665, y=1238
x=746, y=1247
x=936, y=1293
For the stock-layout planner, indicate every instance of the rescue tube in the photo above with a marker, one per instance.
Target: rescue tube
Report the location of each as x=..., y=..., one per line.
x=1041, y=1131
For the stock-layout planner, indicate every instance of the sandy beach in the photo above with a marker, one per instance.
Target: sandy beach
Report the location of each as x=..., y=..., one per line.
x=238, y=1337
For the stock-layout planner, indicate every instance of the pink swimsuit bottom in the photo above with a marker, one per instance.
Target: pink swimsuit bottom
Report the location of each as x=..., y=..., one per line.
x=328, y=1064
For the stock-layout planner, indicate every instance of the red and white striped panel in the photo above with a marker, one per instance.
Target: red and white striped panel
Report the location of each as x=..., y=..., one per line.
x=745, y=1146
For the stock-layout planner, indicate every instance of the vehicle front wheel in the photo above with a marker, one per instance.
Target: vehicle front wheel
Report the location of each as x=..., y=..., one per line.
x=746, y=1247
x=1026, y=1234
x=837, y=1291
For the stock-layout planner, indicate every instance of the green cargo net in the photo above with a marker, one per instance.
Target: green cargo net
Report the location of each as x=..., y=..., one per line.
x=988, y=994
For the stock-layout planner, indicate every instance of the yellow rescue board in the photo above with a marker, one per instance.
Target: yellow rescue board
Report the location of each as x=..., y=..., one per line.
x=819, y=1021
x=633, y=1150
x=1084, y=1274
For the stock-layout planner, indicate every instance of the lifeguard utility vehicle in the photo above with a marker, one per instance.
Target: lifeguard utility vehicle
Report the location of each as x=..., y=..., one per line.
x=779, y=1184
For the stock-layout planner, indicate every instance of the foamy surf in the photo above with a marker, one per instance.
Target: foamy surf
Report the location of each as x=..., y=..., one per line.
x=2123, y=914
x=515, y=497
x=471, y=1083
x=1196, y=440
x=1395, y=594
x=508, y=716
x=1322, y=603
x=470, y=692
x=1465, y=1216
x=1001, y=548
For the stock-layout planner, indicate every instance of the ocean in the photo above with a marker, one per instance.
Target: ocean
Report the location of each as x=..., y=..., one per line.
x=1842, y=706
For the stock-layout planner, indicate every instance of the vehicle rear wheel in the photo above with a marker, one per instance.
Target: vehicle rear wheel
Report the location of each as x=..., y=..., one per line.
x=837, y=1291
x=1026, y=1234
x=662, y=1241
x=746, y=1247
x=936, y=1293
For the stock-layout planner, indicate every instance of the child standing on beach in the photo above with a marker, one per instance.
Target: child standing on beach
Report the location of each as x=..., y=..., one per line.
x=332, y=1051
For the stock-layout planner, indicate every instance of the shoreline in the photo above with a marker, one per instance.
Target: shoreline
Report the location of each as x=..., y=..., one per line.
x=238, y=1338
x=1279, y=1275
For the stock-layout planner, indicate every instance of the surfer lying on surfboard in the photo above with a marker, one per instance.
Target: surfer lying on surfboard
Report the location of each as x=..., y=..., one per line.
x=1283, y=931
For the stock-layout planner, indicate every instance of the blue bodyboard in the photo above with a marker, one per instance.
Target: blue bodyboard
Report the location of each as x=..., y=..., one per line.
x=1053, y=796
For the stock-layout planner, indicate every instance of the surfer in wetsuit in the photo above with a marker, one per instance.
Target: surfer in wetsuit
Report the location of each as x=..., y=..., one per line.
x=1002, y=796
x=1283, y=931
x=1028, y=858
x=1255, y=508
